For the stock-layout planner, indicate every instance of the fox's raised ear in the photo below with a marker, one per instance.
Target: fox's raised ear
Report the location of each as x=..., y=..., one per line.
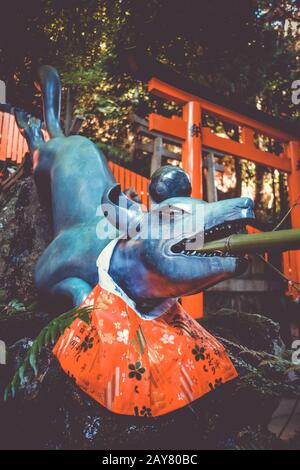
x=48, y=82
x=121, y=211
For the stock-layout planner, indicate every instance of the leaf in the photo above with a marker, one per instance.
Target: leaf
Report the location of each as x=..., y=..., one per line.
x=46, y=336
x=40, y=341
x=53, y=331
x=33, y=363
x=14, y=384
x=21, y=372
x=7, y=392
x=15, y=305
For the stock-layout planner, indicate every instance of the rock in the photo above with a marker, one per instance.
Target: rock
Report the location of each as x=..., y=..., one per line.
x=14, y=327
x=25, y=233
x=234, y=416
x=252, y=331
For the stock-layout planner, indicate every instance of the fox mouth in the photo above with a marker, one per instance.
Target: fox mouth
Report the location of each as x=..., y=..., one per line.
x=217, y=232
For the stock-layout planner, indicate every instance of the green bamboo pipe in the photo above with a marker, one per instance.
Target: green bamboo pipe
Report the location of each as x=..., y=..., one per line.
x=282, y=240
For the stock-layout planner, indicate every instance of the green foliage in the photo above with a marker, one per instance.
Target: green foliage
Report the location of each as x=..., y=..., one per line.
x=247, y=50
x=265, y=374
x=12, y=308
x=48, y=335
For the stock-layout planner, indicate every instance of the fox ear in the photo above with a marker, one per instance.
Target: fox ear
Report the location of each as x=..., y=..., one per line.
x=121, y=211
x=49, y=84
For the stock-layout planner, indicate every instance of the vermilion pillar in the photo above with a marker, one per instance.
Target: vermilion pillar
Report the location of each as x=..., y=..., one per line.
x=294, y=194
x=188, y=130
x=192, y=164
x=192, y=148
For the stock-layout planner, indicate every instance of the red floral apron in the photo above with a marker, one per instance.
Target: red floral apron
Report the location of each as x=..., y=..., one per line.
x=141, y=367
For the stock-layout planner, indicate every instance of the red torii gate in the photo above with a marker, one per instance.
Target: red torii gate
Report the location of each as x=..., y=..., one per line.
x=194, y=137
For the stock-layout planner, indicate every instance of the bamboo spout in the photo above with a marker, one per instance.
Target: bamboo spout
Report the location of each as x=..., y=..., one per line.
x=283, y=240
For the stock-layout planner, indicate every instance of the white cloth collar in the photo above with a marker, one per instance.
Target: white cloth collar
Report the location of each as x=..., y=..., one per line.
x=107, y=282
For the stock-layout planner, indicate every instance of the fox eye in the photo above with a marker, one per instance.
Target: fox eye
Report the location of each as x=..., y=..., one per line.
x=171, y=212
x=181, y=208
x=175, y=213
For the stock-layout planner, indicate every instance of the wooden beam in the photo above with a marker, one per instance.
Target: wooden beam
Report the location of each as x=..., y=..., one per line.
x=152, y=135
x=168, y=92
x=246, y=151
x=192, y=162
x=294, y=193
x=218, y=166
x=157, y=154
x=143, y=128
x=76, y=125
x=149, y=148
x=212, y=195
x=2, y=92
x=69, y=111
x=4, y=136
x=171, y=93
x=175, y=127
